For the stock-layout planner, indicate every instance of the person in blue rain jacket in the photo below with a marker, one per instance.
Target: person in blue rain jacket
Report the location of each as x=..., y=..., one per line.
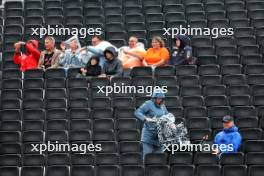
x=71, y=57
x=229, y=137
x=154, y=108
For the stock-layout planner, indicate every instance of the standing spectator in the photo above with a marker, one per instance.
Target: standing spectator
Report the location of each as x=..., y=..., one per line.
x=228, y=140
x=30, y=59
x=181, y=53
x=158, y=55
x=133, y=54
x=92, y=68
x=112, y=66
x=49, y=58
x=151, y=109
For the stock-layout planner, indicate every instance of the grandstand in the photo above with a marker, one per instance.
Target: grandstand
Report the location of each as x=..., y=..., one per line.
x=39, y=106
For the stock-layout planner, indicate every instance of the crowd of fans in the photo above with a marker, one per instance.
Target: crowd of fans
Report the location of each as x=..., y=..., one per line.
x=101, y=58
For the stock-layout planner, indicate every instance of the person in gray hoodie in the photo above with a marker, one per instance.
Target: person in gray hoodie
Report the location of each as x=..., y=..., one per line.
x=154, y=108
x=113, y=66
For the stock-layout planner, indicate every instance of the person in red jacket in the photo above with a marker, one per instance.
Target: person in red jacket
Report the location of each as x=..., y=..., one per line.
x=29, y=59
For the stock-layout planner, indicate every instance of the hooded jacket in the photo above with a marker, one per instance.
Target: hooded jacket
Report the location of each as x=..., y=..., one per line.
x=227, y=137
x=151, y=109
x=112, y=67
x=30, y=59
x=183, y=54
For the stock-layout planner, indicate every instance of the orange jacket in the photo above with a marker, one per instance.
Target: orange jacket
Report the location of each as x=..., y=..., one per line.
x=155, y=56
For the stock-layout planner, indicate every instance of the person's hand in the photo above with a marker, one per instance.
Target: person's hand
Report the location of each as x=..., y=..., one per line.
x=17, y=46
x=82, y=70
x=125, y=51
x=149, y=120
x=215, y=151
x=22, y=43
x=83, y=49
x=206, y=137
x=145, y=63
x=102, y=76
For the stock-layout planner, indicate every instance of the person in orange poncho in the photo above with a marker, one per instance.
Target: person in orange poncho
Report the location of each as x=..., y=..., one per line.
x=29, y=59
x=132, y=55
x=158, y=55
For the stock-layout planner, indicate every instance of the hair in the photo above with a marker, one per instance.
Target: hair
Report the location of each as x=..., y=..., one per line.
x=50, y=39
x=96, y=58
x=133, y=37
x=160, y=40
x=98, y=37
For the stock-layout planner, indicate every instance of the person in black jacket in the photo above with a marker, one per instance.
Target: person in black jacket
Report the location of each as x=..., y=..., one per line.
x=92, y=68
x=181, y=52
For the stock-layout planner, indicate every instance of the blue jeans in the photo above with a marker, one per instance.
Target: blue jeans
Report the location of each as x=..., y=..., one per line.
x=149, y=148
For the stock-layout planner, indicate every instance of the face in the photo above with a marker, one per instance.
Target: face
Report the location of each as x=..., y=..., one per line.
x=93, y=62
x=228, y=125
x=132, y=42
x=73, y=45
x=49, y=45
x=177, y=43
x=31, y=44
x=95, y=41
x=109, y=56
x=155, y=44
x=158, y=101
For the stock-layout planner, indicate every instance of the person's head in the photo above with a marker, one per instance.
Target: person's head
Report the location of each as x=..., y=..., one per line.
x=181, y=41
x=157, y=42
x=94, y=60
x=74, y=45
x=158, y=97
x=96, y=40
x=49, y=43
x=228, y=122
x=33, y=43
x=177, y=42
x=110, y=53
x=132, y=42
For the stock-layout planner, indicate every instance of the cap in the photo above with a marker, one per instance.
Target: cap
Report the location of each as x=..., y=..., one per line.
x=228, y=119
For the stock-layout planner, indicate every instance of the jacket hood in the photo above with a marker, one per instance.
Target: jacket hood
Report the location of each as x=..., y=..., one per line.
x=34, y=42
x=111, y=50
x=67, y=42
x=158, y=93
x=231, y=130
x=184, y=40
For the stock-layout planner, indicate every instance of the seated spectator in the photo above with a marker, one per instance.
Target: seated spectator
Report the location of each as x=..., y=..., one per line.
x=49, y=58
x=29, y=59
x=132, y=55
x=158, y=55
x=112, y=66
x=71, y=57
x=92, y=68
x=181, y=53
x=228, y=140
x=98, y=47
